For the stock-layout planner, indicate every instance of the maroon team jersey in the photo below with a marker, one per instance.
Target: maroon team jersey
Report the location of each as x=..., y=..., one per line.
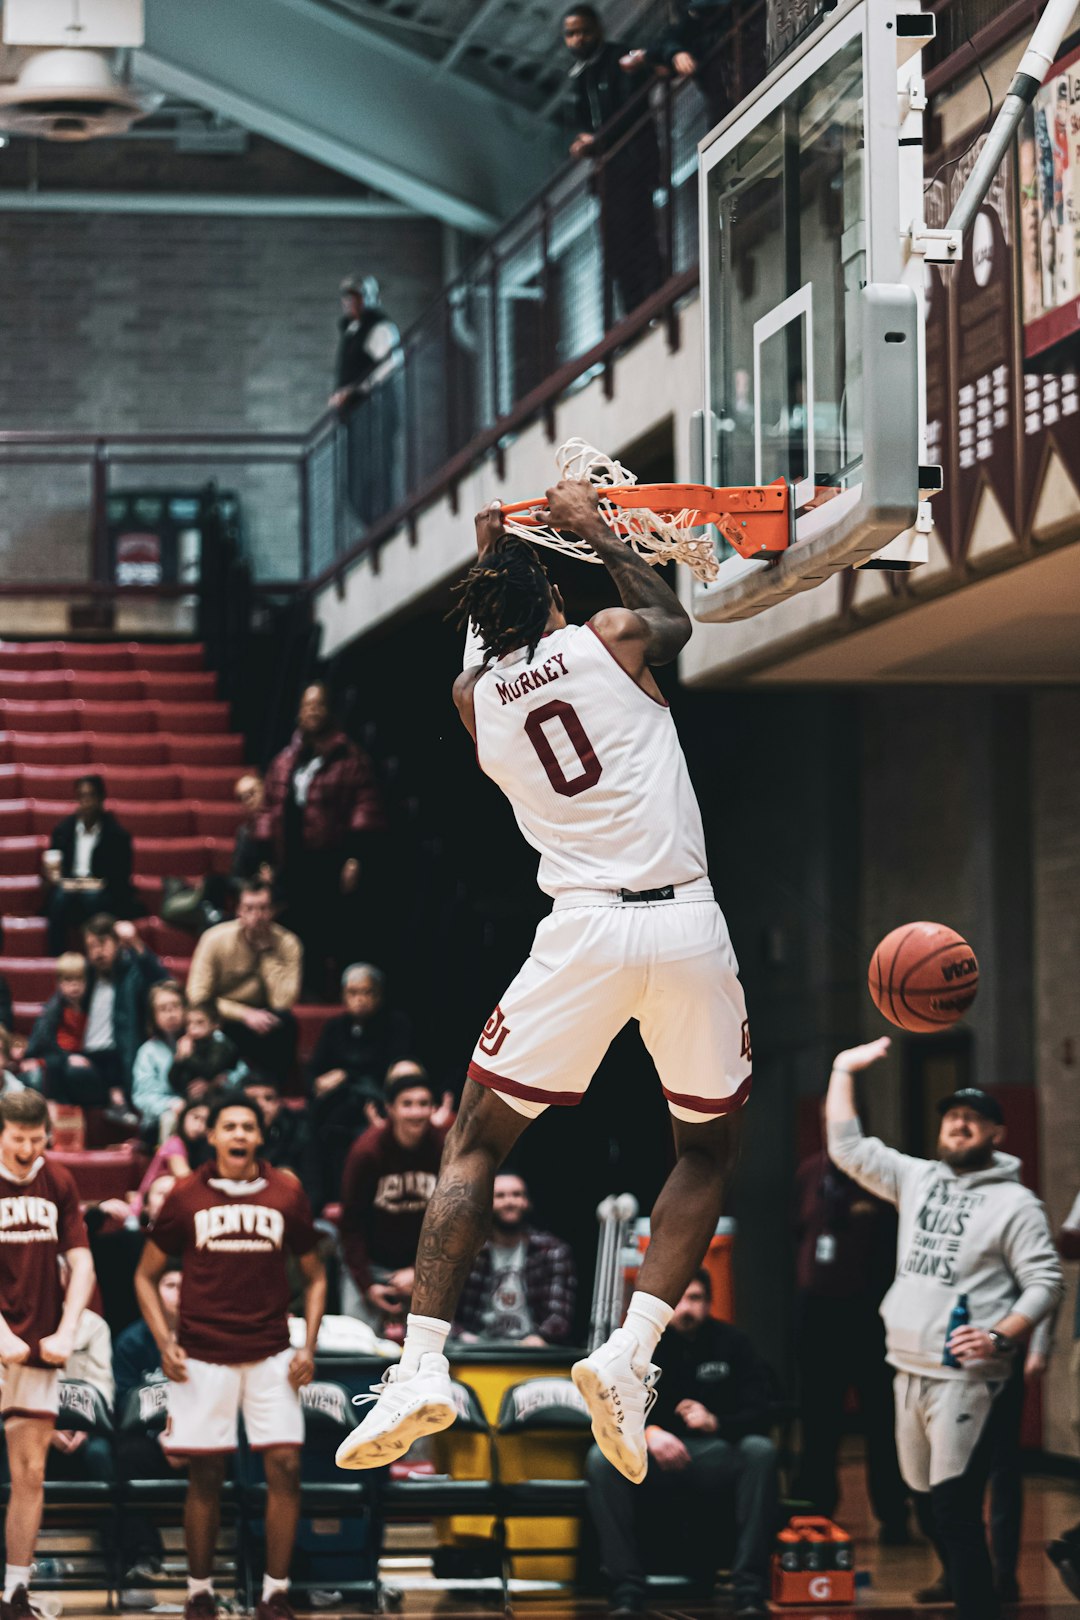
x=40, y=1220
x=234, y=1304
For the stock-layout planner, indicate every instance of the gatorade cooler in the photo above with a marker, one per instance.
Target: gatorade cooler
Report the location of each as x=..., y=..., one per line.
x=813, y=1562
x=717, y=1262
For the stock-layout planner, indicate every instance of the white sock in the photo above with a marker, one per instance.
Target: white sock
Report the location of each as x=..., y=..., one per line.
x=16, y=1575
x=270, y=1586
x=422, y=1333
x=194, y=1584
x=646, y=1318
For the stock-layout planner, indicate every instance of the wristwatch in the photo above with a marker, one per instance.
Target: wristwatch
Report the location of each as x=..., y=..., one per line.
x=1003, y=1345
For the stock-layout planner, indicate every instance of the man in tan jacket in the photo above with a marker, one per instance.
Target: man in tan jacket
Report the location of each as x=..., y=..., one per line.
x=252, y=969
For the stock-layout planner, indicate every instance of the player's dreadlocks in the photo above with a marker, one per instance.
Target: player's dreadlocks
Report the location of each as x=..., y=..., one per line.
x=507, y=596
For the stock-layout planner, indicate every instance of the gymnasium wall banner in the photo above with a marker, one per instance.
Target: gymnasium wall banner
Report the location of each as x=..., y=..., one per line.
x=1049, y=163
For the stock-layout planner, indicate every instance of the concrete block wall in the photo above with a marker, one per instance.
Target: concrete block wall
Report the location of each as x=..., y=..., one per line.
x=122, y=323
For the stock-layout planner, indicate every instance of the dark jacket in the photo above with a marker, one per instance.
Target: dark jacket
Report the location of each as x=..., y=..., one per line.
x=249, y=854
x=719, y=1367
x=110, y=861
x=43, y=1042
x=135, y=1358
x=605, y=98
x=286, y=1143
x=364, y=1050
x=214, y=1056
x=343, y=799
x=354, y=364
x=550, y=1288
x=134, y=973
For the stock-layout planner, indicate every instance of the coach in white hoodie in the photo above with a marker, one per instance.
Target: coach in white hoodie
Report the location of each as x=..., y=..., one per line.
x=967, y=1226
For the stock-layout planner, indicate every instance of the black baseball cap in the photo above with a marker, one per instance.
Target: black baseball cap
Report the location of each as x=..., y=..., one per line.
x=980, y=1102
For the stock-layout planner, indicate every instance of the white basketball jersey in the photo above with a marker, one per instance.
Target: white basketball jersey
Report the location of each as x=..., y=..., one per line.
x=592, y=766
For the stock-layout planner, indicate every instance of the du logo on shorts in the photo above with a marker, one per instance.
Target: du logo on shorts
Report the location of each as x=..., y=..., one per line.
x=495, y=1032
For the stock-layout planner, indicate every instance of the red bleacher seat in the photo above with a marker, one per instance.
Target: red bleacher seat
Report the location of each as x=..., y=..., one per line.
x=186, y=719
x=25, y=1015
x=217, y=820
x=103, y=1172
x=123, y=717
x=24, y=685
x=172, y=857
x=21, y=856
x=48, y=715
x=148, y=888
x=224, y=750
x=163, y=940
x=56, y=748
x=23, y=936
x=202, y=781
x=16, y=818
x=115, y=686
x=5, y=748
x=178, y=967
x=179, y=686
x=171, y=656
x=21, y=896
x=154, y=820
x=97, y=656
x=30, y=978
x=127, y=750
x=310, y=1020
x=58, y=782
x=29, y=655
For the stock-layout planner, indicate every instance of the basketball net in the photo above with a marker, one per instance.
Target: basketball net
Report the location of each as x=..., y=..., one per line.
x=656, y=536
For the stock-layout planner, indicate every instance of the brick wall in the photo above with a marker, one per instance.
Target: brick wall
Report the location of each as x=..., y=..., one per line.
x=125, y=323
x=1055, y=779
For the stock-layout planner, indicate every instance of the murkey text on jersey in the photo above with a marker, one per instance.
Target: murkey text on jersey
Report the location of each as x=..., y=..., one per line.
x=530, y=680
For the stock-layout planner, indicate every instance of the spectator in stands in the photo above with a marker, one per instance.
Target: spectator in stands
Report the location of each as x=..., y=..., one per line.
x=390, y=1175
x=252, y=854
x=81, y=1454
x=690, y=47
x=844, y=1262
x=121, y=969
x=87, y=867
x=323, y=812
x=117, y=1233
x=151, y=1093
x=9, y=1080
x=368, y=353
x=185, y=1149
x=523, y=1283
x=56, y=1039
x=139, y=1453
x=707, y=1439
x=368, y=338
x=285, y=1133
x=251, y=968
x=348, y=1070
x=608, y=102
x=204, y=1054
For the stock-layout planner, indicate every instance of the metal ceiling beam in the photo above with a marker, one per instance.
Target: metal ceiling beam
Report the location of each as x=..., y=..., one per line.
x=191, y=202
x=479, y=19
x=342, y=94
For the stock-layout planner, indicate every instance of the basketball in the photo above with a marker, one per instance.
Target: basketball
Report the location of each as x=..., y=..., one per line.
x=923, y=977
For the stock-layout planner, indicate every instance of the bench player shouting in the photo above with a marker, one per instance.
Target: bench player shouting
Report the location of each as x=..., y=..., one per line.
x=232, y=1224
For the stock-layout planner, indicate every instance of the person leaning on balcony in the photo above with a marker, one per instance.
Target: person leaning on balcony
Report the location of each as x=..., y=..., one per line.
x=606, y=105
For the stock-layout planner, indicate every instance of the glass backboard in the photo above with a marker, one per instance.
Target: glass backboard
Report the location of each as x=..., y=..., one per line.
x=813, y=321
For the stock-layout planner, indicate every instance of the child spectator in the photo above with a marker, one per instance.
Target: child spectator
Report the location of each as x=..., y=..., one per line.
x=203, y=1054
x=9, y=1080
x=181, y=1152
x=151, y=1092
x=57, y=1036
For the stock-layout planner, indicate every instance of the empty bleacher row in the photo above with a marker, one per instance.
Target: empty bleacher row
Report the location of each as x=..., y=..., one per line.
x=147, y=717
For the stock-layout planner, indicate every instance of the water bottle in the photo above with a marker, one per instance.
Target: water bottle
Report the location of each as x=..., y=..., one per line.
x=960, y=1317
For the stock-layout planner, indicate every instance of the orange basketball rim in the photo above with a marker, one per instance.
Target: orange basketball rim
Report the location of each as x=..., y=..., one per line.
x=753, y=518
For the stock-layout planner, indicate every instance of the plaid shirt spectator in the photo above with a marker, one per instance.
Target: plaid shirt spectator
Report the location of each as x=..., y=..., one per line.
x=343, y=800
x=550, y=1288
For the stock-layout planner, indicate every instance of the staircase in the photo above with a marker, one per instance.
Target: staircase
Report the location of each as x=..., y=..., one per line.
x=147, y=718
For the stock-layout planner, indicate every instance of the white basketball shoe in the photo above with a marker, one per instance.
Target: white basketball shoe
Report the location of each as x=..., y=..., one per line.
x=619, y=1393
x=407, y=1405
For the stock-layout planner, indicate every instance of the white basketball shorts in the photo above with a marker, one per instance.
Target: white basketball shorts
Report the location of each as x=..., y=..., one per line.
x=598, y=961
x=203, y=1410
x=30, y=1391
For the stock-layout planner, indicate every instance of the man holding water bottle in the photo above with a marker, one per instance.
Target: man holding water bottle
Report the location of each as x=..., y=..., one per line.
x=976, y=1269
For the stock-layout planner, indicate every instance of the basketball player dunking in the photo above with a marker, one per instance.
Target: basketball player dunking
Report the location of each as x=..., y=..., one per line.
x=570, y=723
